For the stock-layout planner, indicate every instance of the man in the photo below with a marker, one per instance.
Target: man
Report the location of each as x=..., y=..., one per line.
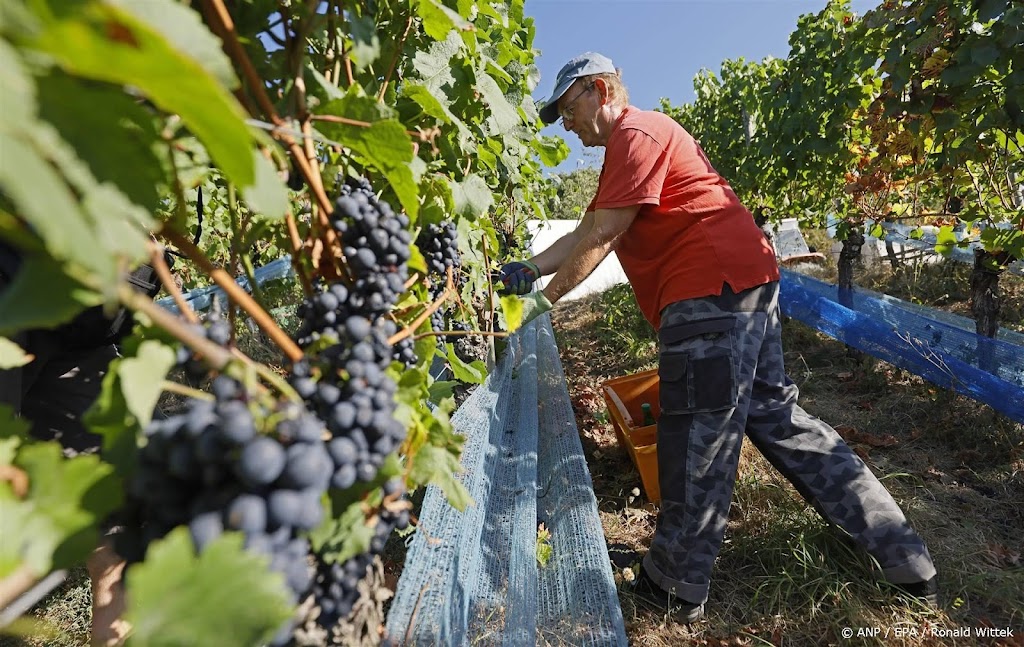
x=53, y=391
x=706, y=278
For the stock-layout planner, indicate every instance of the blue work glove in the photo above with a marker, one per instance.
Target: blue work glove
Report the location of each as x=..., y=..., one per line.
x=518, y=277
x=534, y=305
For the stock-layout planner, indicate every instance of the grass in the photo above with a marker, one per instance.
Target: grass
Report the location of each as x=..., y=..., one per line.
x=783, y=576
x=62, y=618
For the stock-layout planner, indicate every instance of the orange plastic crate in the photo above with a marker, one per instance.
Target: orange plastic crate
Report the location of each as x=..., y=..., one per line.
x=623, y=397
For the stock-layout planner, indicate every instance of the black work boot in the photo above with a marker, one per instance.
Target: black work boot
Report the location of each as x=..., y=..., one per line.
x=926, y=592
x=683, y=611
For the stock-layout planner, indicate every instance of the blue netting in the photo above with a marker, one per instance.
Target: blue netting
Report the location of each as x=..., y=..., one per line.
x=988, y=370
x=202, y=298
x=472, y=577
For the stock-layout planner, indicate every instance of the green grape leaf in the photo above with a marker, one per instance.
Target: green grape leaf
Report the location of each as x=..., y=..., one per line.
x=426, y=347
x=384, y=145
x=12, y=355
x=185, y=31
x=17, y=91
x=552, y=151
x=506, y=117
x=512, y=308
x=142, y=378
x=946, y=121
x=229, y=597
x=416, y=262
x=267, y=195
x=435, y=65
x=343, y=536
x=426, y=100
x=438, y=466
x=110, y=418
x=11, y=429
x=877, y=230
x=945, y=240
x=441, y=390
x=87, y=41
x=472, y=196
x=41, y=296
x=365, y=41
x=116, y=138
x=473, y=373
x=55, y=526
x=438, y=19
x=40, y=193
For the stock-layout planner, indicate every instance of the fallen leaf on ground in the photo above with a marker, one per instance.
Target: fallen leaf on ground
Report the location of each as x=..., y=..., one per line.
x=853, y=435
x=1001, y=556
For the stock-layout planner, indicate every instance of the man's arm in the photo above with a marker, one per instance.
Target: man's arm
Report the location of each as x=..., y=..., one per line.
x=594, y=244
x=550, y=260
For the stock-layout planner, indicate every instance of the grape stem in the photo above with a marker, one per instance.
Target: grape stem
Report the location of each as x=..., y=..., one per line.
x=156, y=255
x=213, y=355
x=394, y=60
x=296, y=241
x=236, y=294
x=490, y=286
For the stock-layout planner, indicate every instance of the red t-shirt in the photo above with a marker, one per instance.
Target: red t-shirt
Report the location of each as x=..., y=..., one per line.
x=691, y=234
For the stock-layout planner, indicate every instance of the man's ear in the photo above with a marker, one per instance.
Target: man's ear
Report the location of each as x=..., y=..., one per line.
x=602, y=90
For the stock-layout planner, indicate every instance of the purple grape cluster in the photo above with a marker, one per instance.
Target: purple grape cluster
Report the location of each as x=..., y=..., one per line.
x=336, y=585
x=209, y=467
x=439, y=244
x=375, y=242
x=262, y=466
x=344, y=381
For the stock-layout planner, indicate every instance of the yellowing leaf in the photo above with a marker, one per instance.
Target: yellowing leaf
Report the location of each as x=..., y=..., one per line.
x=512, y=307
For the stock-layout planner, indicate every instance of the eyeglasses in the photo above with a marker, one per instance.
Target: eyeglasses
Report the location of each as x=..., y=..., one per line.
x=566, y=112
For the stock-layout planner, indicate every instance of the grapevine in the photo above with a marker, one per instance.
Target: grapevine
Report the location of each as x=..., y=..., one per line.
x=291, y=473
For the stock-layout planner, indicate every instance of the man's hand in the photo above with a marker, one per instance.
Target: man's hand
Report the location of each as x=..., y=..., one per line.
x=534, y=305
x=518, y=277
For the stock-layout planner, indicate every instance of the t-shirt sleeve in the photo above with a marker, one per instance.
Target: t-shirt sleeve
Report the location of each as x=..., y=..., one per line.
x=634, y=171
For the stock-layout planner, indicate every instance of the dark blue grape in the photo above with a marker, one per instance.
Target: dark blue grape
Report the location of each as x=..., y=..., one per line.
x=260, y=462
x=248, y=513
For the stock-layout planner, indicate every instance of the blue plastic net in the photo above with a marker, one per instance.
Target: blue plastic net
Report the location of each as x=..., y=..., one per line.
x=948, y=353
x=472, y=577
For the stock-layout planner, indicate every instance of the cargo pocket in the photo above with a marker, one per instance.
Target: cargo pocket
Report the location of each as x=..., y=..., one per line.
x=696, y=370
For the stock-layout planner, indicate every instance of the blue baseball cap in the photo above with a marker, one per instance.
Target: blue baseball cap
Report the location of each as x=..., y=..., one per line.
x=583, y=65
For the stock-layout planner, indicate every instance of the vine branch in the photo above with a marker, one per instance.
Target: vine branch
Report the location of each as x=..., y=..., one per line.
x=223, y=23
x=394, y=60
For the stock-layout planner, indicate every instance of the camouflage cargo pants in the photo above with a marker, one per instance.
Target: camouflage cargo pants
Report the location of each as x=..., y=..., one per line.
x=722, y=376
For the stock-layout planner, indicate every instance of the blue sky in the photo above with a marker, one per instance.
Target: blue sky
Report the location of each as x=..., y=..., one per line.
x=660, y=45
